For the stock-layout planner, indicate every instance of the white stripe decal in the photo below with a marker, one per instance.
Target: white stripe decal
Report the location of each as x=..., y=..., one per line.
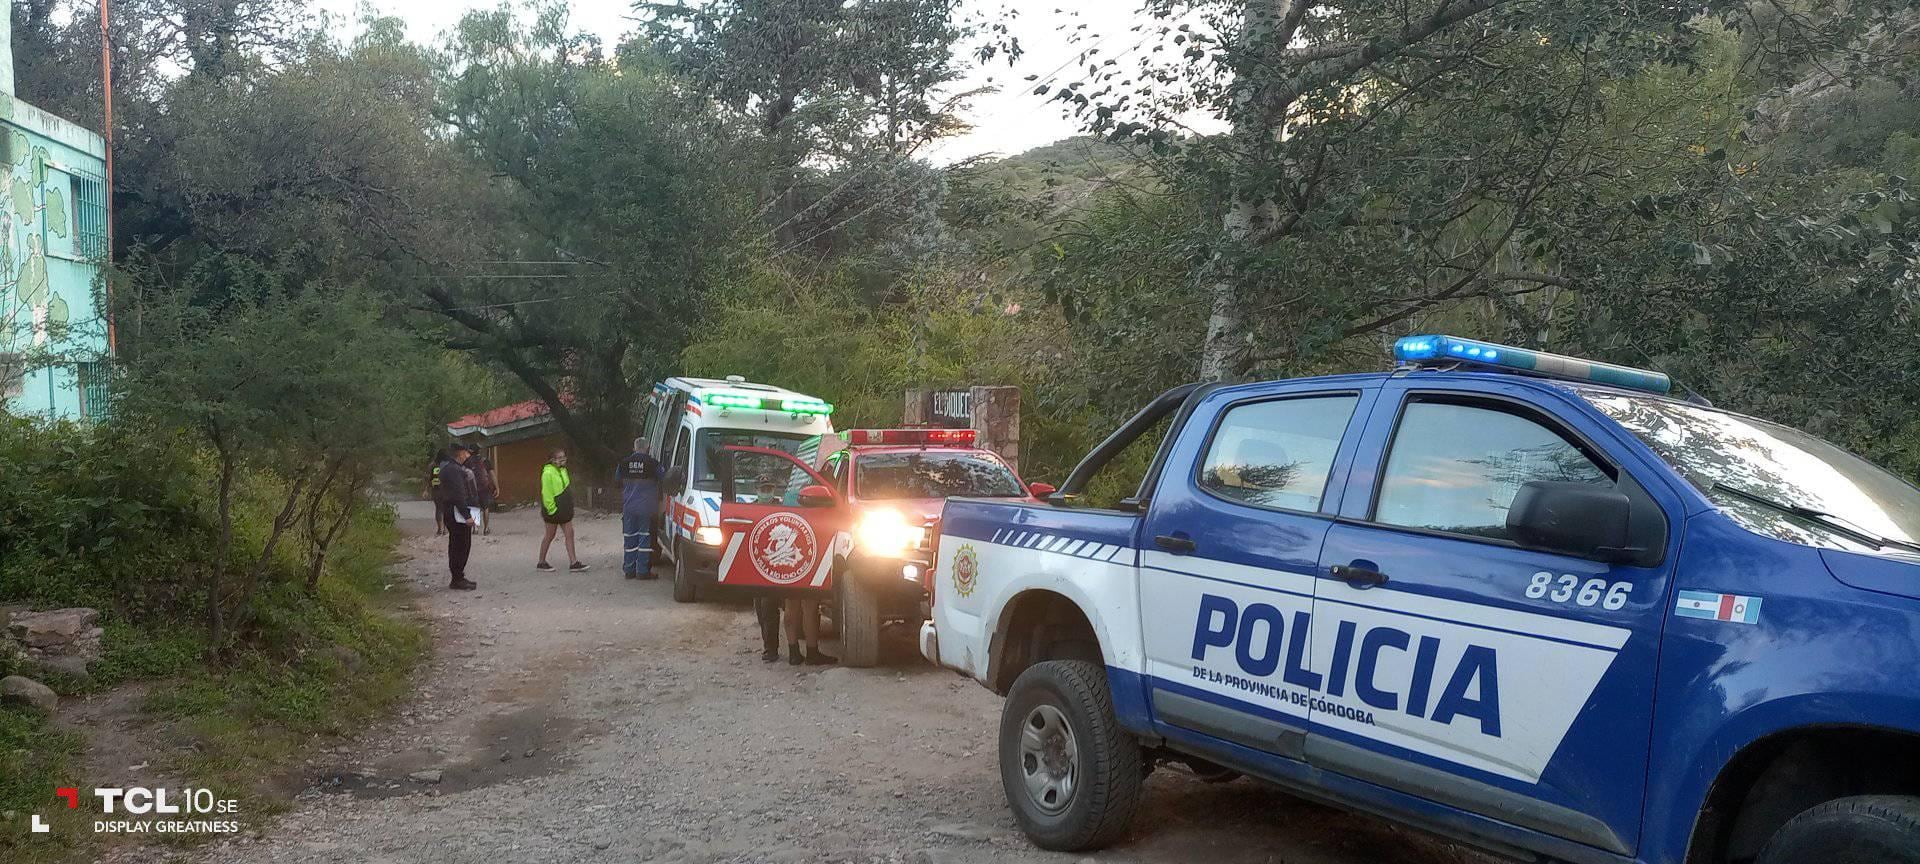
x=1533, y=624
x=1074, y=547
x=996, y=535
x=733, y=548
x=826, y=565
x=1035, y=541
x=1208, y=568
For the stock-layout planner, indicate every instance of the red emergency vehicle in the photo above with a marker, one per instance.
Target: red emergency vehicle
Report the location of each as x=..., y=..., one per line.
x=855, y=529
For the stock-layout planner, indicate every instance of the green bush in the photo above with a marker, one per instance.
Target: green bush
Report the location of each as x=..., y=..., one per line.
x=99, y=515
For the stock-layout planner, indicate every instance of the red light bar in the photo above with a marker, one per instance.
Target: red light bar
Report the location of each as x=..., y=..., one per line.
x=963, y=437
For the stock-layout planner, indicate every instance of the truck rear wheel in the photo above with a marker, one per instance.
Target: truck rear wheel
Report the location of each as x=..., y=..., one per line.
x=859, y=622
x=684, y=589
x=1864, y=829
x=1072, y=775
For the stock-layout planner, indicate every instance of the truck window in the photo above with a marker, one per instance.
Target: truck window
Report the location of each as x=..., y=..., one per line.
x=682, y=449
x=1456, y=468
x=837, y=470
x=882, y=476
x=759, y=478
x=712, y=440
x=1277, y=454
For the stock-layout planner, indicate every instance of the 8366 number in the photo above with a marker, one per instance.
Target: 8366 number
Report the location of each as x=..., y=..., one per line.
x=1567, y=587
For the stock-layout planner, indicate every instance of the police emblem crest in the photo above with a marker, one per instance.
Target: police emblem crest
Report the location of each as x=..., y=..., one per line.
x=966, y=570
x=782, y=547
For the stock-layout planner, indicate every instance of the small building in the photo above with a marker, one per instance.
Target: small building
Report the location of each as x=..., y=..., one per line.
x=516, y=440
x=53, y=242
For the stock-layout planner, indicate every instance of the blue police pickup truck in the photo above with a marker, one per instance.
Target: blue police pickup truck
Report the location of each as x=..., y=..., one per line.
x=1522, y=600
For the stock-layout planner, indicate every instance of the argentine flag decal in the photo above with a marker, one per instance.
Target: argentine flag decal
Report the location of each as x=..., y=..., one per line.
x=1738, y=608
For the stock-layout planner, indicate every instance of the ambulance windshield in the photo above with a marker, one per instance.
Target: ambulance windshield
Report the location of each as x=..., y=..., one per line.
x=714, y=439
x=1775, y=480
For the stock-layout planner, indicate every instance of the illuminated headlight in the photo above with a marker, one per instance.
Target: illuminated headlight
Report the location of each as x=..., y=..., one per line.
x=708, y=535
x=885, y=533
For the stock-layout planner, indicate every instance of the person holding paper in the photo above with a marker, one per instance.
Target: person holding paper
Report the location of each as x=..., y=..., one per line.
x=459, y=505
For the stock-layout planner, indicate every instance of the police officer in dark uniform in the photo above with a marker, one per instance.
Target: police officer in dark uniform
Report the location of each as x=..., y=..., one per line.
x=639, y=477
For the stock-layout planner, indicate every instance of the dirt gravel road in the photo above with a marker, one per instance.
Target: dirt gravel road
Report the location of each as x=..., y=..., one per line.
x=586, y=718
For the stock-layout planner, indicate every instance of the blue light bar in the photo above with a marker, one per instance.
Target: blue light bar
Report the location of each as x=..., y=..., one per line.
x=1435, y=350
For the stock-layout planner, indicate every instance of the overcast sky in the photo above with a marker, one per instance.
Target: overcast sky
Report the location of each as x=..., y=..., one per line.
x=1011, y=121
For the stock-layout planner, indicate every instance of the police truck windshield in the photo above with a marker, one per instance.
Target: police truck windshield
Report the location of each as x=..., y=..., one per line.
x=714, y=439
x=1775, y=480
x=881, y=476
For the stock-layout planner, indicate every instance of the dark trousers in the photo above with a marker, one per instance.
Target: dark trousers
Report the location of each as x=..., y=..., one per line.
x=767, y=609
x=637, y=531
x=459, y=543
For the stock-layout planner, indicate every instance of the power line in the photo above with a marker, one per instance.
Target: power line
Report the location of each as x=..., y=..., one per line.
x=1044, y=81
x=887, y=198
x=513, y=303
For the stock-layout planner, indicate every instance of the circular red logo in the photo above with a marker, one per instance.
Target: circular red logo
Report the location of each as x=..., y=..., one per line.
x=782, y=548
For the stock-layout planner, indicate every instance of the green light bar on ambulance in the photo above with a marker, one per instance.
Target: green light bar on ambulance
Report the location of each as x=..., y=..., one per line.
x=729, y=400
x=1436, y=350
x=800, y=405
x=806, y=405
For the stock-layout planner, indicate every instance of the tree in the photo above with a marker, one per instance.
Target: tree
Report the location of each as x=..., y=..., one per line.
x=1386, y=159
x=271, y=380
x=853, y=83
x=619, y=197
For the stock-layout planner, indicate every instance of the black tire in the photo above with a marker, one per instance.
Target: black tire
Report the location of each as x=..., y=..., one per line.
x=684, y=588
x=859, y=622
x=1106, y=759
x=1864, y=829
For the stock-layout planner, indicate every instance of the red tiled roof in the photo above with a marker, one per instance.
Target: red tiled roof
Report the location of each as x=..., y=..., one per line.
x=502, y=415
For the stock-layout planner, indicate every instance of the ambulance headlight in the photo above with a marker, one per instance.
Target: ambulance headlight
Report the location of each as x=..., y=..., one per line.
x=707, y=535
x=885, y=533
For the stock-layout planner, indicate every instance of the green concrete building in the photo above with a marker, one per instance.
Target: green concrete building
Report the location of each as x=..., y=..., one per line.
x=53, y=243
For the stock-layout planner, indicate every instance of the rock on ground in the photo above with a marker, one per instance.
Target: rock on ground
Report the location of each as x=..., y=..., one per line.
x=62, y=641
x=27, y=693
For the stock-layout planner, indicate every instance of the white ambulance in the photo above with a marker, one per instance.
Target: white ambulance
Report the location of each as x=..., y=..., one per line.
x=688, y=419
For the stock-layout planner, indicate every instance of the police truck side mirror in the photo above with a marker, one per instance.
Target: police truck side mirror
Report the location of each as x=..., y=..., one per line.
x=816, y=495
x=1572, y=518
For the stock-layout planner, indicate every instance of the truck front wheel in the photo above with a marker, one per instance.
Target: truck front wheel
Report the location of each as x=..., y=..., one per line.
x=859, y=621
x=1864, y=829
x=1072, y=775
x=685, y=590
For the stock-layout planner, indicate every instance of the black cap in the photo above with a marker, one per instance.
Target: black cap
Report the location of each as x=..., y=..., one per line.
x=462, y=445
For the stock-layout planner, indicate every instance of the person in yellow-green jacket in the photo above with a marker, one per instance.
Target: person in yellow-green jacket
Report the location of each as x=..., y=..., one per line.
x=556, y=509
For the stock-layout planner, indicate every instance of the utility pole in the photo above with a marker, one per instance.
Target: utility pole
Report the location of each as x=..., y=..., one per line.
x=106, y=132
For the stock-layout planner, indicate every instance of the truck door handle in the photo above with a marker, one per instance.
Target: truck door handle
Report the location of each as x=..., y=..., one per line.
x=1173, y=543
x=1359, y=577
